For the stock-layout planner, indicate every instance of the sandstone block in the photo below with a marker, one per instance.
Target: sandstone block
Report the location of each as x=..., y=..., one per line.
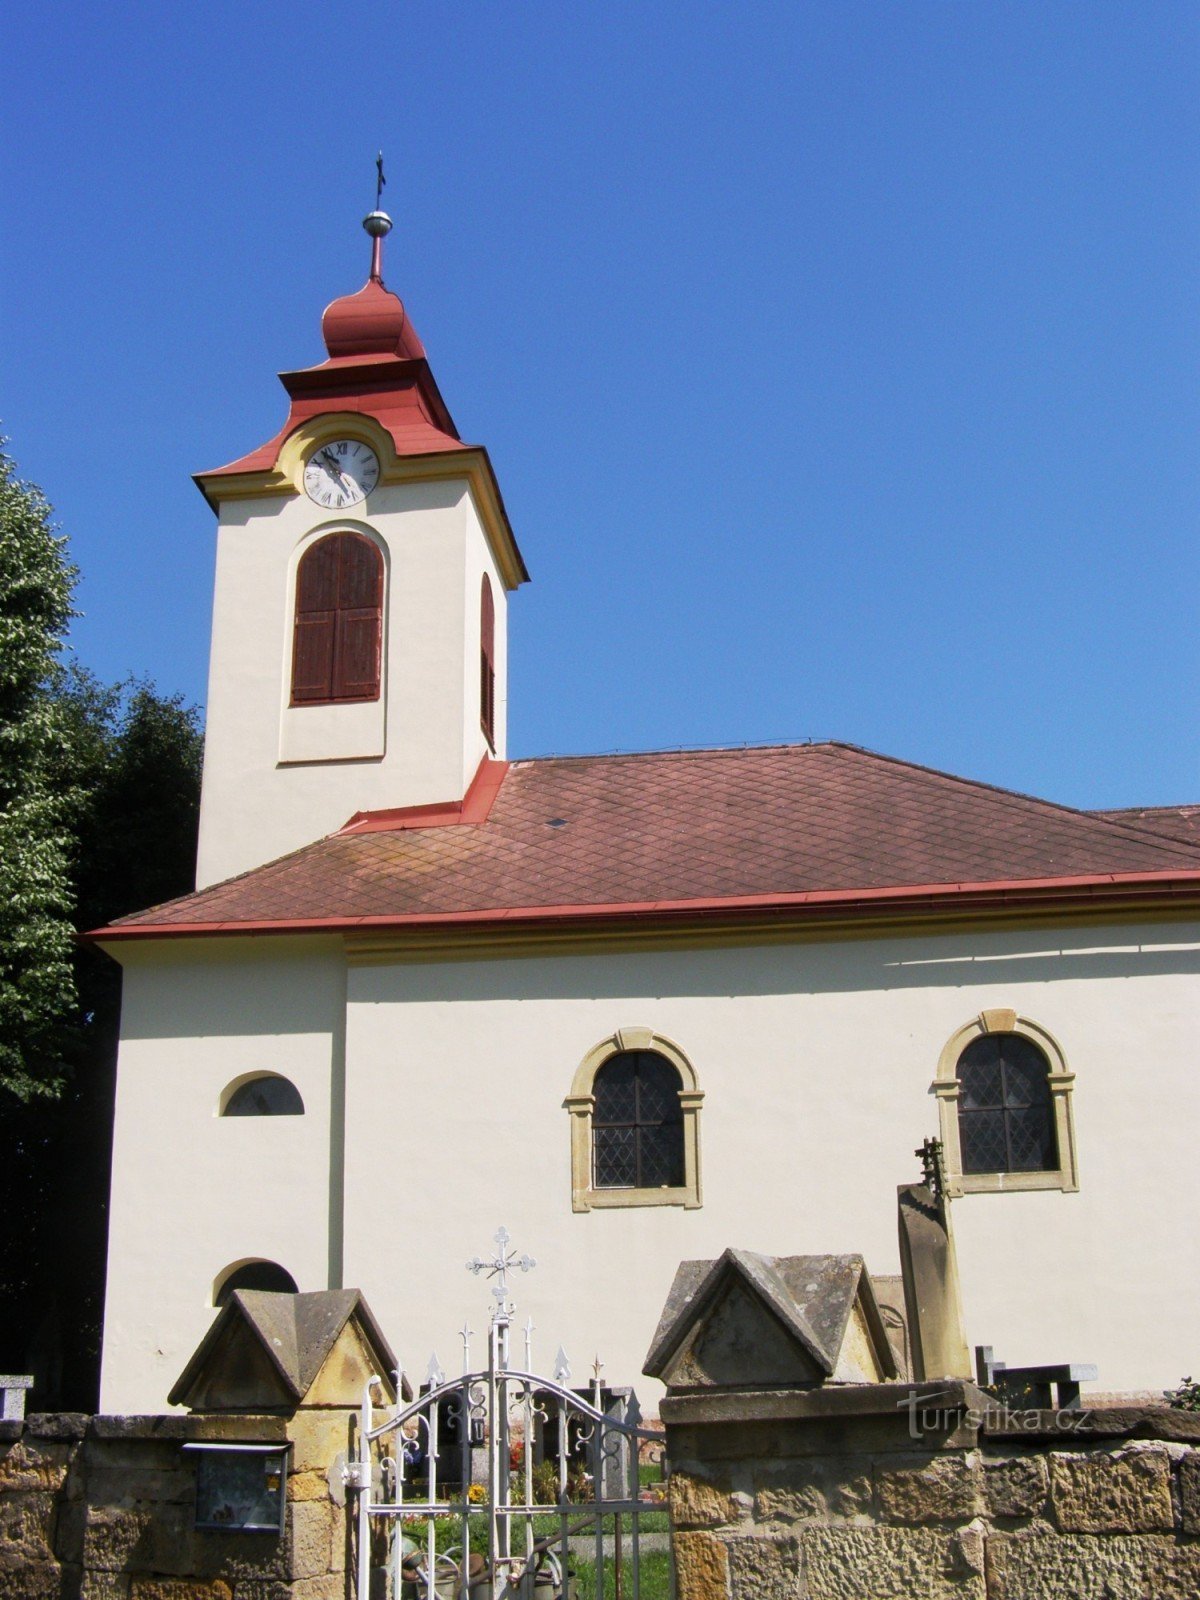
x=317, y=1437
x=1016, y=1488
x=180, y=1589
x=148, y=1484
x=239, y=1558
x=26, y=1530
x=31, y=1580
x=157, y=1539
x=312, y=1539
x=945, y=1488
x=852, y=1563
x=833, y=1487
x=701, y=1567
x=104, y=1585
x=70, y=1520
x=331, y=1587
x=697, y=1504
x=763, y=1569
x=1049, y=1566
x=851, y=1497
x=968, y=1549
x=35, y=1464
x=799, y=1504
x=308, y=1486
x=1189, y=1491
x=1102, y=1493
x=113, y=1537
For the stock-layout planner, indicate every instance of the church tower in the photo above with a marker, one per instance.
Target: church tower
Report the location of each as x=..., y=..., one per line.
x=364, y=561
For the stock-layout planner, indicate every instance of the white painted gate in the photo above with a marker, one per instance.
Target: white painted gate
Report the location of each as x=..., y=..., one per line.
x=501, y=1483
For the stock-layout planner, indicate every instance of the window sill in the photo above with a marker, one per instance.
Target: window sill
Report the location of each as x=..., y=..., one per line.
x=962, y=1183
x=621, y=1199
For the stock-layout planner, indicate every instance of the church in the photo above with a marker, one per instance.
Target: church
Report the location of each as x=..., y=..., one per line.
x=637, y=1008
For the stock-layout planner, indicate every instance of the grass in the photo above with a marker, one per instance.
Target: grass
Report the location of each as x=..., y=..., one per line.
x=655, y=1576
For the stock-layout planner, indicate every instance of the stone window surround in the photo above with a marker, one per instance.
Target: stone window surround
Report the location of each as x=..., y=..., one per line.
x=1061, y=1081
x=581, y=1101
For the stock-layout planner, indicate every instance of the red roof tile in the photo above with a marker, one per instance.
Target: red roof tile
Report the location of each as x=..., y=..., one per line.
x=1177, y=822
x=677, y=829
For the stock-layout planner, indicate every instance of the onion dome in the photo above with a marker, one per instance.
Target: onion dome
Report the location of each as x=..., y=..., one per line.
x=373, y=321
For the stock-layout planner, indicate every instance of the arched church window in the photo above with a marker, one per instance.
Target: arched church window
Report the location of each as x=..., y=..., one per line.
x=267, y=1275
x=1005, y=1098
x=487, y=661
x=267, y=1095
x=635, y=1124
x=1005, y=1111
x=338, y=635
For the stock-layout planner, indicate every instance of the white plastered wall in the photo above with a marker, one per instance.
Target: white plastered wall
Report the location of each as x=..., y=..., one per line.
x=194, y=1192
x=815, y=1060
x=266, y=789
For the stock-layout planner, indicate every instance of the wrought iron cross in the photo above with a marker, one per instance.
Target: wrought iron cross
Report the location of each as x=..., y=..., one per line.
x=380, y=180
x=501, y=1263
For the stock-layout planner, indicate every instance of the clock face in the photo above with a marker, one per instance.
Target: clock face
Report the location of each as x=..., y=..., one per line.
x=341, y=473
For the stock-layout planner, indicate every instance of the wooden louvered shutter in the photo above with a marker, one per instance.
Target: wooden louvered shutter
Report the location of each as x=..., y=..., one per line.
x=359, y=620
x=487, y=662
x=339, y=621
x=316, y=612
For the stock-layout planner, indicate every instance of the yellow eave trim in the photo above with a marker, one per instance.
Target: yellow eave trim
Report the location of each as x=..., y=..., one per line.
x=371, y=948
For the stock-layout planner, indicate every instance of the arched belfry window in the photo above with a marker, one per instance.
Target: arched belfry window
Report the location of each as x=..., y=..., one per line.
x=266, y=1094
x=338, y=634
x=1005, y=1104
x=487, y=661
x=635, y=1124
x=253, y=1275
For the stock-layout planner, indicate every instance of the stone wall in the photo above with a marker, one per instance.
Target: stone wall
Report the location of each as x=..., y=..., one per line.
x=102, y=1508
x=827, y=1496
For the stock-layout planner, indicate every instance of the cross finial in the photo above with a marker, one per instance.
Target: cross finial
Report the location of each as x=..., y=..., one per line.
x=377, y=223
x=500, y=1264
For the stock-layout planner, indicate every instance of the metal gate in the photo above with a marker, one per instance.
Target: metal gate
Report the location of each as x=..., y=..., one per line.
x=501, y=1483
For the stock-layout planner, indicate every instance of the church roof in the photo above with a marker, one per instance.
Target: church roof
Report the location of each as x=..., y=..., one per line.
x=1178, y=822
x=811, y=831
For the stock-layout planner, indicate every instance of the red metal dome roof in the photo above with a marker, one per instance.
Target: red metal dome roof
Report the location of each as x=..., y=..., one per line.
x=371, y=322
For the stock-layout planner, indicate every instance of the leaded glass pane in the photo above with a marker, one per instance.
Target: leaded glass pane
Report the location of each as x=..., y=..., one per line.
x=981, y=1134
x=1031, y=1140
x=980, y=1073
x=662, y=1156
x=615, y=1089
x=637, y=1123
x=658, y=1090
x=616, y=1158
x=1006, y=1112
x=1024, y=1074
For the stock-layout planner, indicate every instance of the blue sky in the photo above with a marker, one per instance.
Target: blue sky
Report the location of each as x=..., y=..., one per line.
x=838, y=361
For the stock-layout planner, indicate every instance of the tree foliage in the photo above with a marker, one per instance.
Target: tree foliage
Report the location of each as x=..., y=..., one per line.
x=99, y=803
x=36, y=981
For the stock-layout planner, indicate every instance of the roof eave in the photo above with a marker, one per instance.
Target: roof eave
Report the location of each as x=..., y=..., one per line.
x=1064, y=894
